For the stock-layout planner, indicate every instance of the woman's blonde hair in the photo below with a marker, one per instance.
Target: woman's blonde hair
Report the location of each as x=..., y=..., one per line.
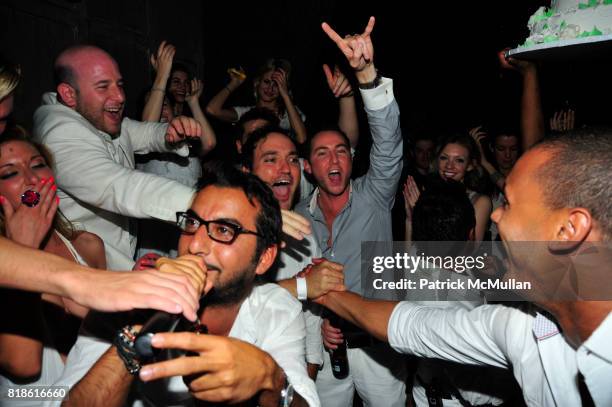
x=17, y=133
x=10, y=75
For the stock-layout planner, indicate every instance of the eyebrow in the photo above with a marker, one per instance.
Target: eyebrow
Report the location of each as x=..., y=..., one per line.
x=231, y=221
x=34, y=157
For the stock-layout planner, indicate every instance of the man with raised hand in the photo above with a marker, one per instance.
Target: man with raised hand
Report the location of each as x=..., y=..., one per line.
x=344, y=212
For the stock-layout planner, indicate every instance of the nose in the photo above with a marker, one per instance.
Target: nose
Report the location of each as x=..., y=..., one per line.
x=284, y=166
x=200, y=242
x=507, y=154
x=334, y=157
x=32, y=177
x=118, y=95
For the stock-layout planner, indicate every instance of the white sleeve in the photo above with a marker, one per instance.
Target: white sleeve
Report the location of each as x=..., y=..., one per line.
x=149, y=137
x=284, y=341
x=240, y=110
x=314, y=341
x=477, y=337
x=86, y=171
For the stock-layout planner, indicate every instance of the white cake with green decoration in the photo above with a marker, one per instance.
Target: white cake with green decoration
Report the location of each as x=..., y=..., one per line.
x=570, y=19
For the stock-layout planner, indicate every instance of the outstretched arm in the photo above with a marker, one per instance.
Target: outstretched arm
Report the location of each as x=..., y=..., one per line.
x=97, y=289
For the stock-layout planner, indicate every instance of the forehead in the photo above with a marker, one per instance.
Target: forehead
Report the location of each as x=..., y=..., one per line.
x=214, y=202
x=506, y=140
x=455, y=149
x=16, y=147
x=329, y=139
x=424, y=144
x=179, y=74
x=276, y=143
x=523, y=176
x=95, y=65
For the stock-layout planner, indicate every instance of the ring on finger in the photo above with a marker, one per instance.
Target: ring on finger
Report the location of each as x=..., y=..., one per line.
x=30, y=198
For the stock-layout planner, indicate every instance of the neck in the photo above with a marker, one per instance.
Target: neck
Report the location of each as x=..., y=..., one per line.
x=272, y=105
x=220, y=319
x=331, y=205
x=579, y=319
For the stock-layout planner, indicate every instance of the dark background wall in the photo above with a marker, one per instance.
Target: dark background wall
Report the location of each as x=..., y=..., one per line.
x=442, y=55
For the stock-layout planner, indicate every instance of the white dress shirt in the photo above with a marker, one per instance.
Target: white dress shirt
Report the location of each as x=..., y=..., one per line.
x=269, y=318
x=545, y=366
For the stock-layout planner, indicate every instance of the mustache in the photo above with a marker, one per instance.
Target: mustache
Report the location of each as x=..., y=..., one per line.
x=210, y=267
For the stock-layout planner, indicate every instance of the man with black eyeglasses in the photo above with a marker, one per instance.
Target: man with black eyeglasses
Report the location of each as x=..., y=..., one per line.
x=254, y=349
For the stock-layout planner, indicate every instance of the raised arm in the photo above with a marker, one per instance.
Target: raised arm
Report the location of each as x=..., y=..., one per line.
x=215, y=106
x=532, y=118
x=208, y=138
x=162, y=63
x=343, y=91
x=383, y=115
x=295, y=119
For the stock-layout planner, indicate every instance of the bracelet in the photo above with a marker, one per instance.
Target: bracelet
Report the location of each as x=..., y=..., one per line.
x=158, y=89
x=302, y=288
x=124, y=342
x=348, y=95
x=371, y=85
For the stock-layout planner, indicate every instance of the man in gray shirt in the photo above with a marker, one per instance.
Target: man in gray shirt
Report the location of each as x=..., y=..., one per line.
x=344, y=212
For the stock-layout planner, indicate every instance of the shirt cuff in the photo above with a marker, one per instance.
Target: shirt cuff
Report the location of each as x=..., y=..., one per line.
x=182, y=151
x=379, y=97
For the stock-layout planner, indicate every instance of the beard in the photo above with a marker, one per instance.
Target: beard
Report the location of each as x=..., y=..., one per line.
x=234, y=290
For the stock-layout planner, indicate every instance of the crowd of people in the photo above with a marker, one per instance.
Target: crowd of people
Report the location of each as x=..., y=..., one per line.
x=107, y=218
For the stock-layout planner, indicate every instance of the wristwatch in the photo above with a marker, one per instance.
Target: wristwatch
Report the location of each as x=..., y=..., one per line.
x=286, y=395
x=371, y=85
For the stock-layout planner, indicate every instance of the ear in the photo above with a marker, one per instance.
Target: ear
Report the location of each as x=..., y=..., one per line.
x=576, y=226
x=239, y=146
x=307, y=166
x=266, y=259
x=67, y=94
x=245, y=169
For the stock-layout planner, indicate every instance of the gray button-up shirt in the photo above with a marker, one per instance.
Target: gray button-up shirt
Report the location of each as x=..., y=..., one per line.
x=367, y=214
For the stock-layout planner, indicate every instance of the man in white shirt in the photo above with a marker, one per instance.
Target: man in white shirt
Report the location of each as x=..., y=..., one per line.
x=255, y=346
x=94, y=146
x=558, y=194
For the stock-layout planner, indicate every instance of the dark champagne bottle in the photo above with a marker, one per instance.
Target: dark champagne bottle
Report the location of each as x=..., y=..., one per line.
x=338, y=357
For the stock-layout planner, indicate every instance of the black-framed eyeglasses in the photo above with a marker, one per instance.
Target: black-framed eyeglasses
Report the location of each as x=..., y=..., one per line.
x=219, y=230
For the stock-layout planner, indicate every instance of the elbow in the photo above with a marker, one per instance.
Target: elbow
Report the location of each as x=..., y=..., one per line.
x=212, y=110
x=208, y=146
x=21, y=367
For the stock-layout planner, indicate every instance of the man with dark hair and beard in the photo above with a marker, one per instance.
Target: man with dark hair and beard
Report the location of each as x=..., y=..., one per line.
x=255, y=343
